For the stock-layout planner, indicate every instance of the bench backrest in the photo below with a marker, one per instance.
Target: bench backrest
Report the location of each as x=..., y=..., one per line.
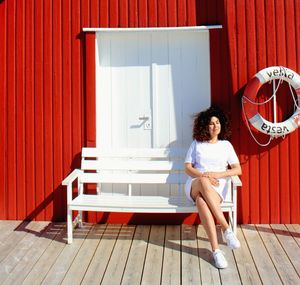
x=141, y=166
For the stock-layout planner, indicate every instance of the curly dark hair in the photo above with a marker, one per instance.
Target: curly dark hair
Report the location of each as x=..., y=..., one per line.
x=202, y=120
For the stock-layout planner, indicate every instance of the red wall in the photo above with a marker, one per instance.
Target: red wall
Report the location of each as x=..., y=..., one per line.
x=47, y=94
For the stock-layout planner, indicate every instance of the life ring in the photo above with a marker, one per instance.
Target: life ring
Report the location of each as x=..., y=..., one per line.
x=251, y=110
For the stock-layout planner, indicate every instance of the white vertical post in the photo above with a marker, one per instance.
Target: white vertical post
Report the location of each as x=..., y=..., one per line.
x=129, y=189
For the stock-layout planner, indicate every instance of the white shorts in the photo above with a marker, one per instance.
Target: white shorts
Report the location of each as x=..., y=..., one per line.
x=223, y=189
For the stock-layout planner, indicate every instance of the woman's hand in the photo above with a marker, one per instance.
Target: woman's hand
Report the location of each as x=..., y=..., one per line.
x=214, y=181
x=211, y=174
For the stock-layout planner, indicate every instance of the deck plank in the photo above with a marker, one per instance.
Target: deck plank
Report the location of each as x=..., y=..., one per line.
x=63, y=262
x=16, y=256
x=14, y=237
x=100, y=260
x=6, y=228
x=264, y=264
x=172, y=257
x=154, y=258
x=209, y=273
x=81, y=262
x=117, y=262
x=190, y=257
x=230, y=275
x=36, y=246
x=295, y=232
x=125, y=254
x=43, y=265
x=281, y=261
x=135, y=264
x=245, y=263
x=289, y=245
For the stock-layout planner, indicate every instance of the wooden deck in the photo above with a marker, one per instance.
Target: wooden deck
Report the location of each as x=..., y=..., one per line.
x=36, y=253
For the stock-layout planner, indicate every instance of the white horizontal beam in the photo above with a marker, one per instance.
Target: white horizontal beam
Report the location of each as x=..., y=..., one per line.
x=154, y=29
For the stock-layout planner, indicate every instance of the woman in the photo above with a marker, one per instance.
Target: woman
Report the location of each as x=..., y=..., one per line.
x=206, y=164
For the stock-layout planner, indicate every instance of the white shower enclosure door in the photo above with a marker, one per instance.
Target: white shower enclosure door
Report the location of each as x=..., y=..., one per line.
x=149, y=83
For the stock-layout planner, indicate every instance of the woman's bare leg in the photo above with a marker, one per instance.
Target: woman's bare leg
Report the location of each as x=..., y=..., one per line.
x=208, y=222
x=212, y=199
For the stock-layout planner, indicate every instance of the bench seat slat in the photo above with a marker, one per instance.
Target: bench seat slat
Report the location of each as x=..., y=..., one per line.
x=140, y=204
x=133, y=178
x=133, y=152
x=111, y=164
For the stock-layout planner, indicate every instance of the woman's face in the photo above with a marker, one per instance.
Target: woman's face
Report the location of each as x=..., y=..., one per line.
x=214, y=127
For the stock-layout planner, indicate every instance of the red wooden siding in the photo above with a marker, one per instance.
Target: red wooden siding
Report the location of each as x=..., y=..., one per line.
x=47, y=87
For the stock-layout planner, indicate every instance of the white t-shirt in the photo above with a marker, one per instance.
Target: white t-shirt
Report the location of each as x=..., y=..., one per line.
x=206, y=157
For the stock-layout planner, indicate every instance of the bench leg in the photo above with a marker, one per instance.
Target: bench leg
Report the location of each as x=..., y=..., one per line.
x=234, y=221
x=69, y=226
x=80, y=219
x=230, y=216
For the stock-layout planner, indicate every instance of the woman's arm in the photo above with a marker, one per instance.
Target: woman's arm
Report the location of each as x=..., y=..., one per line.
x=235, y=169
x=193, y=172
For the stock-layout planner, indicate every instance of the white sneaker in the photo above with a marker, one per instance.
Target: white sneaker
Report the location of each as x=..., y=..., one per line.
x=231, y=239
x=219, y=258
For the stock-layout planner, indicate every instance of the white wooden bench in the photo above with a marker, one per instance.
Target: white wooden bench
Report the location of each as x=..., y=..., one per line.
x=131, y=167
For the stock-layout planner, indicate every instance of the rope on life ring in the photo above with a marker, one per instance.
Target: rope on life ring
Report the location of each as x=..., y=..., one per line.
x=250, y=109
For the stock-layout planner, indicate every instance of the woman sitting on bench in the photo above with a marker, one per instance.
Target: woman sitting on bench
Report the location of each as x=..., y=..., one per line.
x=206, y=164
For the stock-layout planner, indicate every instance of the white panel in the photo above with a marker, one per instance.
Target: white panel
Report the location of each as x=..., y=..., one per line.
x=195, y=78
x=163, y=75
x=161, y=92
x=103, y=90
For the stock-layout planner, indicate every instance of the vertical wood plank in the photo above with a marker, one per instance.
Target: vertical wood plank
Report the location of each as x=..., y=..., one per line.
x=77, y=109
x=114, y=13
x=103, y=13
x=57, y=110
x=284, y=145
x=172, y=13
x=29, y=109
x=94, y=13
x=181, y=13
x=3, y=109
x=162, y=10
x=38, y=110
x=124, y=13
x=293, y=47
x=66, y=93
x=20, y=110
x=152, y=11
x=273, y=154
x=143, y=13
x=263, y=155
x=293, y=167
x=48, y=109
x=251, y=70
x=191, y=12
x=241, y=80
x=133, y=13
x=90, y=90
x=11, y=114
x=66, y=87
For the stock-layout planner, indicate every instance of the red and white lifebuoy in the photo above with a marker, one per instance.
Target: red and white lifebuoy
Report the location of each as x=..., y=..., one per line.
x=251, y=110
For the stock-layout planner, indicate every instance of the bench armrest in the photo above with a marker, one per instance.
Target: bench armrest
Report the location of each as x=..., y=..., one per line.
x=68, y=182
x=71, y=177
x=236, y=181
